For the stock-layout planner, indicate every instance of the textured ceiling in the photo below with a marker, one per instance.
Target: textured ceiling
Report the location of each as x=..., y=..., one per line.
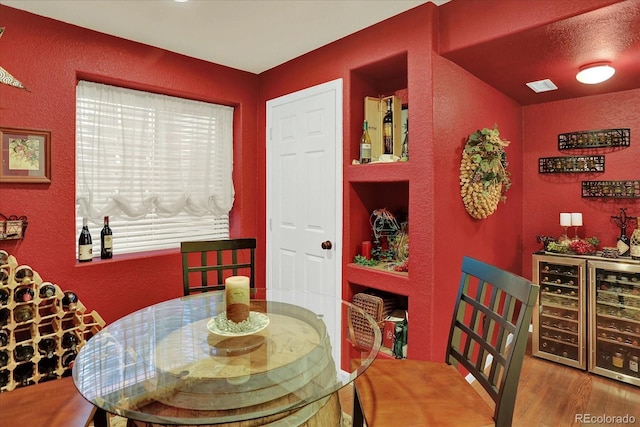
x=557, y=50
x=250, y=35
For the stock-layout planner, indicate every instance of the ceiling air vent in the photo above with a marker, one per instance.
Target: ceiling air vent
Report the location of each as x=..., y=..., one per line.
x=542, y=86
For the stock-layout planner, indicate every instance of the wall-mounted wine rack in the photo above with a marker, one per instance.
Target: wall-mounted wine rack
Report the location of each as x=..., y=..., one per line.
x=611, y=189
x=595, y=139
x=41, y=327
x=571, y=164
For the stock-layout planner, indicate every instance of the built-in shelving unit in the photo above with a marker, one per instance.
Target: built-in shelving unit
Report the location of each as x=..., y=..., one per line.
x=374, y=186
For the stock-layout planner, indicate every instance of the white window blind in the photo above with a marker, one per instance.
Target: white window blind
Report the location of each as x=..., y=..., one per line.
x=159, y=166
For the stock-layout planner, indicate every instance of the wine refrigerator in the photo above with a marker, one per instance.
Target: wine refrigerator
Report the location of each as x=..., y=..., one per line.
x=588, y=314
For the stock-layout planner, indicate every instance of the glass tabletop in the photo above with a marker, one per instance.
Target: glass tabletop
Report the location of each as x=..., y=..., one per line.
x=179, y=362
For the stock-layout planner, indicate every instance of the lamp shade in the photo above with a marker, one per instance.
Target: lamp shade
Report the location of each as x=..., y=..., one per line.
x=595, y=73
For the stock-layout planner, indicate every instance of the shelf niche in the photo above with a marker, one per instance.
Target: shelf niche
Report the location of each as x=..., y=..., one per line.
x=385, y=77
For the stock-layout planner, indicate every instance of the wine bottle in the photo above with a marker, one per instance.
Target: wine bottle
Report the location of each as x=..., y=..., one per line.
x=47, y=290
x=23, y=373
x=4, y=338
x=106, y=240
x=4, y=297
x=4, y=358
x=69, y=340
x=69, y=301
x=405, y=143
x=85, y=251
x=23, y=313
x=4, y=316
x=22, y=353
x=4, y=378
x=623, y=244
x=47, y=367
x=47, y=347
x=67, y=358
x=387, y=129
x=24, y=294
x=634, y=244
x=365, y=144
x=24, y=275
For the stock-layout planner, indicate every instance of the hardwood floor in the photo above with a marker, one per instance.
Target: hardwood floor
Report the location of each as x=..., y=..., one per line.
x=553, y=395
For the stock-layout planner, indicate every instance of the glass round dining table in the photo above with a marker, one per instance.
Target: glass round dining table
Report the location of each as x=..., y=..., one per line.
x=174, y=363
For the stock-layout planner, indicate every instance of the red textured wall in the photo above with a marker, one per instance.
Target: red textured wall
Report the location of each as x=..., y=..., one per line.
x=546, y=195
x=48, y=56
x=411, y=35
x=462, y=105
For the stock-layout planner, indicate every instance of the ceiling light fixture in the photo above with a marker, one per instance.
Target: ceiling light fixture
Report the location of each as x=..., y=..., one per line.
x=595, y=73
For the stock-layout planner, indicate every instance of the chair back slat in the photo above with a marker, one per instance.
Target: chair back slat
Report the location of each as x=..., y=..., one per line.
x=489, y=331
x=225, y=258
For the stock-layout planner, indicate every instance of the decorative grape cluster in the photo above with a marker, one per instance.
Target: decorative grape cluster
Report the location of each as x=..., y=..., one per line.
x=483, y=173
x=581, y=247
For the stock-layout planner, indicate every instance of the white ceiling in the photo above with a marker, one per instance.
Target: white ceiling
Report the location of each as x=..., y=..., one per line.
x=250, y=35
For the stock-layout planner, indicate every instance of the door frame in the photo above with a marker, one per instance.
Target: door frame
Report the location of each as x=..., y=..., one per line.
x=337, y=87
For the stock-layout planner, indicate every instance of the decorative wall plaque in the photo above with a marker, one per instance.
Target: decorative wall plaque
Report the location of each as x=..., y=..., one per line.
x=613, y=189
x=595, y=139
x=571, y=164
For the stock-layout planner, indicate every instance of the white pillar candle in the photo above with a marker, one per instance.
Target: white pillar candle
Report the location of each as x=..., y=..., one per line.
x=576, y=219
x=237, y=298
x=565, y=219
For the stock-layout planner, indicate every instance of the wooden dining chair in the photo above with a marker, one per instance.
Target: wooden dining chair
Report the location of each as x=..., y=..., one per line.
x=206, y=264
x=487, y=339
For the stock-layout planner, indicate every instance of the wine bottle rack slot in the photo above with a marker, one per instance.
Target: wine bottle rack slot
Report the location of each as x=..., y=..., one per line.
x=42, y=327
x=628, y=189
x=595, y=139
x=571, y=164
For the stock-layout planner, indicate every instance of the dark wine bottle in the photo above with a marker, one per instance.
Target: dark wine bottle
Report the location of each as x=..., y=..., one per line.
x=69, y=340
x=23, y=313
x=4, y=297
x=85, y=245
x=24, y=274
x=47, y=290
x=22, y=374
x=4, y=338
x=4, y=378
x=24, y=295
x=4, y=276
x=4, y=358
x=22, y=353
x=47, y=367
x=387, y=129
x=4, y=316
x=69, y=301
x=106, y=240
x=67, y=358
x=47, y=347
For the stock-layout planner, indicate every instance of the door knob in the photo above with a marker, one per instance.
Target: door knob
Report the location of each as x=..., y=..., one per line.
x=326, y=245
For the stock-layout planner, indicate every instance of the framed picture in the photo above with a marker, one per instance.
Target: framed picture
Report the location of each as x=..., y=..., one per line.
x=25, y=155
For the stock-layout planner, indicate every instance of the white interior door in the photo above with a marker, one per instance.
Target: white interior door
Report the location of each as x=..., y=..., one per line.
x=304, y=202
